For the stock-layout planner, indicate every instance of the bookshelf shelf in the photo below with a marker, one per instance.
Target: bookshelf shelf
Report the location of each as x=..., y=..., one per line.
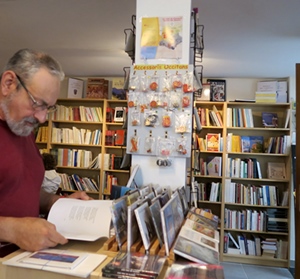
x=63, y=120
x=254, y=161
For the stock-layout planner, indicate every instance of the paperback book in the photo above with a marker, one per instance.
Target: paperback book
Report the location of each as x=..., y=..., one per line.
x=145, y=224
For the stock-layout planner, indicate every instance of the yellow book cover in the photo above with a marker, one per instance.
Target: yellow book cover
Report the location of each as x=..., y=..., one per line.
x=236, y=143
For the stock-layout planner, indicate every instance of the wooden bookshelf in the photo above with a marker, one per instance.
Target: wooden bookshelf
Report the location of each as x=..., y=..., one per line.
x=94, y=148
x=221, y=206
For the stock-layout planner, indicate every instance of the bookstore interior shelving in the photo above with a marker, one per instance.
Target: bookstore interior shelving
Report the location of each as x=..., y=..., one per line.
x=77, y=134
x=246, y=184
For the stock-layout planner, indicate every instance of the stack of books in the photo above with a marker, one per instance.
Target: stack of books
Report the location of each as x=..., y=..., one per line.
x=134, y=265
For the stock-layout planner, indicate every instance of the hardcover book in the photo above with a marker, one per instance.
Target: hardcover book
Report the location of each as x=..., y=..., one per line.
x=269, y=119
x=214, y=166
x=195, y=252
x=276, y=170
x=212, y=142
x=156, y=217
x=168, y=225
x=183, y=198
x=119, y=219
x=145, y=224
x=256, y=144
x=133, y=232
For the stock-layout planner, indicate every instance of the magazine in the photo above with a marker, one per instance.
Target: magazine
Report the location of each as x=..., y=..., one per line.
x=81, y=220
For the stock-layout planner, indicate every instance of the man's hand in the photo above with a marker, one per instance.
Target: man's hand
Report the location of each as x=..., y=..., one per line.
x=80, y=195
x=31, y=234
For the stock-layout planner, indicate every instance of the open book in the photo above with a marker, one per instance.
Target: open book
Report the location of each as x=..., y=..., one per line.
x=81, y=220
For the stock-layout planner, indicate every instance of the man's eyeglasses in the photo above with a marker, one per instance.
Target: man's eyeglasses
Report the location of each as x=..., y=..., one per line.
x=36, y=106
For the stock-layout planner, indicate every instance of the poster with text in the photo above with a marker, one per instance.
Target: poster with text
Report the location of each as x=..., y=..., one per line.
x=161, y=38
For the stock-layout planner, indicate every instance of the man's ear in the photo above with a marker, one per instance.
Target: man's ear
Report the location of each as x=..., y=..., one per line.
x=8, y=82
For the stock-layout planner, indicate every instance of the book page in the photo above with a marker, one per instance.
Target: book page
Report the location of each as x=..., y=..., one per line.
x=81, y=220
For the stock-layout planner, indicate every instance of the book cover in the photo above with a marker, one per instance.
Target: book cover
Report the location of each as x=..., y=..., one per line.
x=183, y=198
x=256, y=144
x=195, y=252
x=168, y=225
x=212, y=142
x=156, y=217
x=75, y=88
x=245, y=142
x=269, y=119
x=133, y=233
x=119, y=219
x=177, y=211
x=276, y=170
x=145, y=224
x=199, y=238
x=214, y=166
x=120, y=137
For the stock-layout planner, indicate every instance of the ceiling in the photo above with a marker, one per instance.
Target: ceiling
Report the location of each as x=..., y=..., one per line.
x=242, y=38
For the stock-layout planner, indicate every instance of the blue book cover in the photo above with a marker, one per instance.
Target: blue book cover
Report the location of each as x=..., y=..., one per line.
x=256, y=144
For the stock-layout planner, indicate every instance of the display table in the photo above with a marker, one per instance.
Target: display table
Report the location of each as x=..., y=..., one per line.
x=9, y=272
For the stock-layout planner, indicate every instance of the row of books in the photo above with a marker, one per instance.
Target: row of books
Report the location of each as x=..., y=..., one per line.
x=115, y=137
x=211, y=165
x=213, y=142
x=208, y=191
x=257, y=144
x=210, y=117
x=271, y=220
x=243, y=168
x=80, y=113
x=42, y=134
x=109, y=180
x=246, y=219
x=76, y=136
x=73, y=157
x=148, y=213
x=254, y=245
x=267, y=195
x=250, y=144
x=240, y=117
x=78, y=183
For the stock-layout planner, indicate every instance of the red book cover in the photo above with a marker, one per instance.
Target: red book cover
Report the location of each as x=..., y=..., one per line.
x=76, y=114
x=120, y=137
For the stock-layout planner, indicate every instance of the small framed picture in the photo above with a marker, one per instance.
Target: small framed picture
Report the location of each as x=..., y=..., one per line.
x=217, y=90
x=119, y=114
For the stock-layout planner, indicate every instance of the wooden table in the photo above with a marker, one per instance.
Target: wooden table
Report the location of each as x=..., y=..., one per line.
x=9, y=272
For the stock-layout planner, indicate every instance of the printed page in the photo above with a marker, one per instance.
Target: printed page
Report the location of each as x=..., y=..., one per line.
x=81, y=220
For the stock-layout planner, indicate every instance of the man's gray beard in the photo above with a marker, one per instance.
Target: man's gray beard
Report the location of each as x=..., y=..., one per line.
x=19, y=128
